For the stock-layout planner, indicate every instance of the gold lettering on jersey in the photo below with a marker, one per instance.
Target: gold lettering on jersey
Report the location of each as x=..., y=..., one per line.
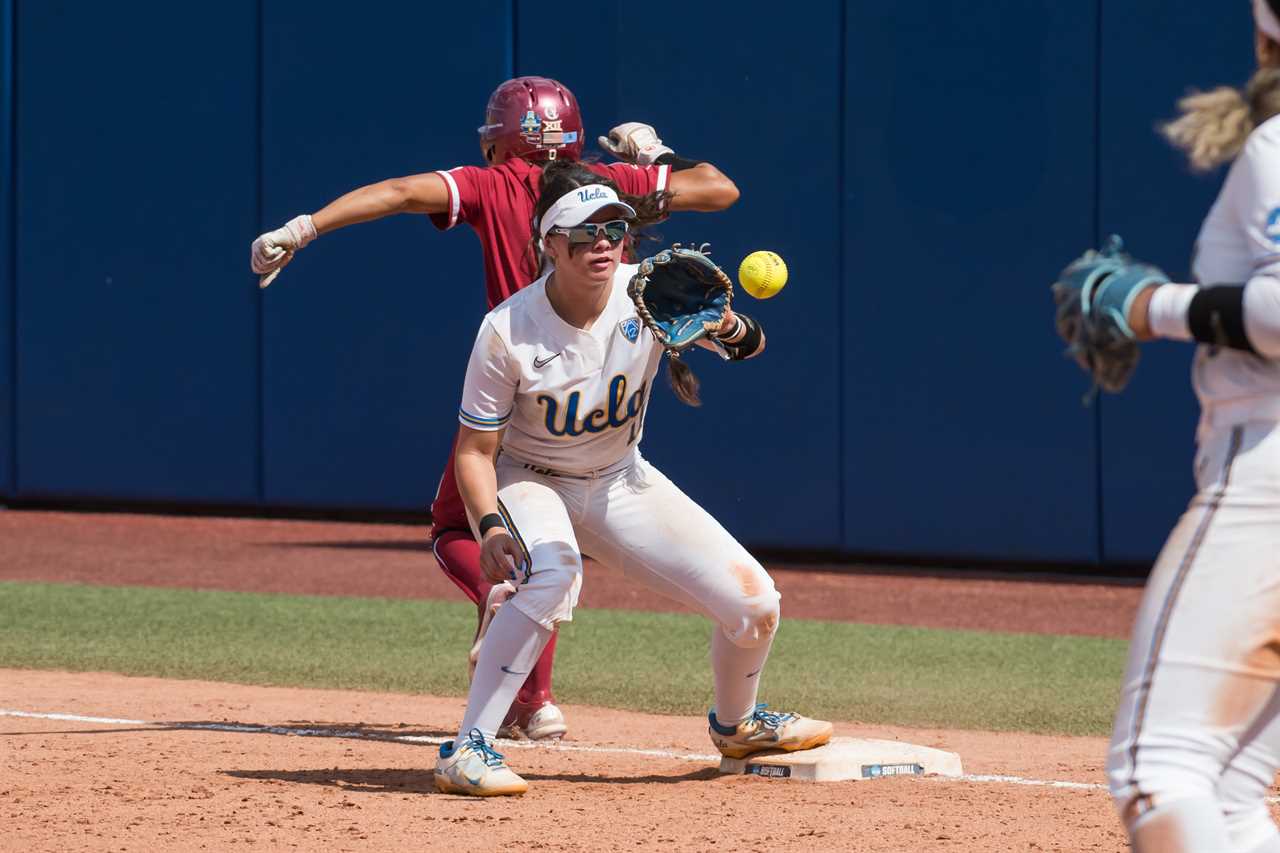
x=617, y=411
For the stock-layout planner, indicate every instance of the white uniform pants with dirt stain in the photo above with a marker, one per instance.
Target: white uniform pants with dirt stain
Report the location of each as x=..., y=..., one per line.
x=638, y=521
x=1197, y=735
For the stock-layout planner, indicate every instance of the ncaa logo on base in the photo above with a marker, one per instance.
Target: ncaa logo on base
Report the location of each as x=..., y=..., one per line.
x=630, y=329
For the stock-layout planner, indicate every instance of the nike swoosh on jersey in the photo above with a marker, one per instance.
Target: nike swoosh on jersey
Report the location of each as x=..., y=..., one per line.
x=543, y=362
x=510, y=671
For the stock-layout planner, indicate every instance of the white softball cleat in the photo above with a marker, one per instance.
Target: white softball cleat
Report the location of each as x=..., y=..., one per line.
x=544, y=722
x=765, y=730
x=497, y=597
x=476, y=769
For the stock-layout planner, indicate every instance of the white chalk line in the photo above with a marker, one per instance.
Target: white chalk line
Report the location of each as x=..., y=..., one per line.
x=73, y=718
x=303, y=731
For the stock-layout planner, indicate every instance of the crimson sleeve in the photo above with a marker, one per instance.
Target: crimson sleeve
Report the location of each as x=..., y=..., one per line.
x=638, y=180
x=468, y=189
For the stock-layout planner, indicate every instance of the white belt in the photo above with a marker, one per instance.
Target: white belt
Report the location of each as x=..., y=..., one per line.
x=590, y=474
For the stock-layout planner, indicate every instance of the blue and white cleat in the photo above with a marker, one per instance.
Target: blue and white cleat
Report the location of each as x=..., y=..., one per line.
x=475, y=769
x=764, y=730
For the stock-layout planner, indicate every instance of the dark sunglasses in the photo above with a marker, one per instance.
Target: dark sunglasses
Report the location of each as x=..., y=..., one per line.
x=589, y=232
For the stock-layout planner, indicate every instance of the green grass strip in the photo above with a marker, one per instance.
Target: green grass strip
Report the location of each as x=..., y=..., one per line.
x=653, y=662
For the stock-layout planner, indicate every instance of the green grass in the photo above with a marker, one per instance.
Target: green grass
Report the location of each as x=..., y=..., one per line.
x=645, y=661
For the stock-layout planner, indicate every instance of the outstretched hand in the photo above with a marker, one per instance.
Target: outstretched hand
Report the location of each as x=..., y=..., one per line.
x=274, y=249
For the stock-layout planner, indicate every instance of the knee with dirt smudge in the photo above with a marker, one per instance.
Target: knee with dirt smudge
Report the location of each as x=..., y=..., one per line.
x=756, y=620
x=1189, y=825
x=759, y=622
x=751, y=578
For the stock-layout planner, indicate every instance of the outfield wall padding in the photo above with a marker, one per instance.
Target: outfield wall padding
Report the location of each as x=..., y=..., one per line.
x=925, y=170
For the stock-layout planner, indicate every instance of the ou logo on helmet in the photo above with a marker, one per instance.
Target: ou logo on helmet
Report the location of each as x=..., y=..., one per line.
x=1273, y=226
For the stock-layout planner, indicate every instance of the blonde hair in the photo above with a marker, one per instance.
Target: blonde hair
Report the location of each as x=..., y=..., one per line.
x=1214, y=125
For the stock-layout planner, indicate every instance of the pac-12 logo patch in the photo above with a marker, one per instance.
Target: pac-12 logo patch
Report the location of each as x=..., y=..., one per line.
x=1273, y=226
x=630, y=328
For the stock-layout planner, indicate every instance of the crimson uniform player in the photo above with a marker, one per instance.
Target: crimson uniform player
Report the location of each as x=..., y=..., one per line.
x=529, y=121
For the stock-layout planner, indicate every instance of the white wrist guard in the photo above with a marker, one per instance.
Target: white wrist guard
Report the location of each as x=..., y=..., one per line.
x=273, y=250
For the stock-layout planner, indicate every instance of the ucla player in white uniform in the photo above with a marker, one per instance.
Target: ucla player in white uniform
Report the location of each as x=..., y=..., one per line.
x=1197, y=736
x=556, y=392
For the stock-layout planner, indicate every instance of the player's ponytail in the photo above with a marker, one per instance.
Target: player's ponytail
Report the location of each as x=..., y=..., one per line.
x=1214, y=125
x=683, y=381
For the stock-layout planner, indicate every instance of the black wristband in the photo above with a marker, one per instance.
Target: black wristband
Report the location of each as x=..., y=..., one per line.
x=675, y=161
x=750, y=343
x=489, y=522
x=738, y=328
x=1216, y=316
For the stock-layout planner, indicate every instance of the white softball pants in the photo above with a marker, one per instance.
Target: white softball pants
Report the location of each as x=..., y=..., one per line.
x=1197, y=734
x=638, y=521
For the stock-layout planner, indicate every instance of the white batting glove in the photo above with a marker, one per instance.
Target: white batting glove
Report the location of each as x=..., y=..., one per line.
x=634, y=142
x=274, y=249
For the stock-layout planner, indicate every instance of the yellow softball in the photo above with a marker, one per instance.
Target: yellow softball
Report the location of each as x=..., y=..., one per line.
x=762, y=274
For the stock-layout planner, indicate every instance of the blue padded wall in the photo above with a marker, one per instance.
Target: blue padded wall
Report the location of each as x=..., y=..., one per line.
x=7, y=199
x=1148, y=194
x=136, y=338
x=544, y=46
x=924, y=169
x=761, y=453
x=367, y=332
x=968, y=182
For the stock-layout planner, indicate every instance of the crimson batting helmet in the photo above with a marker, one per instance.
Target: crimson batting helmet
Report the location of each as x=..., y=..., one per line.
x=536, y=118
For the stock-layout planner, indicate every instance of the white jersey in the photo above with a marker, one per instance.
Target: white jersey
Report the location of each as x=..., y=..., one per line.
x=571, y=400
x=1240, y=242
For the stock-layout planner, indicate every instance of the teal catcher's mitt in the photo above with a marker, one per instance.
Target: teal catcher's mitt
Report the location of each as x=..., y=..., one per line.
x=1093, y=295
x=681, y=296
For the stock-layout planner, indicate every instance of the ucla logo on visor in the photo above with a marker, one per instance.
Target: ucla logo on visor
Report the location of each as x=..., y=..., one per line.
x=578, y=205
x=630, y=329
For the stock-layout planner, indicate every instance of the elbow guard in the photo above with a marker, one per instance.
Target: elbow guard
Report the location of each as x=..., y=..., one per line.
x=1216, y=317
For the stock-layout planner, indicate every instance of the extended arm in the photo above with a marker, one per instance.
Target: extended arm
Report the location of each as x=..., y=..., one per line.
x=425, y=193
x=702, y=187
x=1239, y=316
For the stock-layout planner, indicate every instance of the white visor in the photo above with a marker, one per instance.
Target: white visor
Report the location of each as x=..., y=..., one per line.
x=577, y=206
x=1266, y=20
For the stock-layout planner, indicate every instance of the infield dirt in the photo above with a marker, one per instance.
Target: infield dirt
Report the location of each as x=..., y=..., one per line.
x=71, y=785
